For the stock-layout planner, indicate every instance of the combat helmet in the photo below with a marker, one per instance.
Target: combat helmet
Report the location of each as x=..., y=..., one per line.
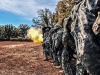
x=51, y=30
x=47, y=28
x=56, y=27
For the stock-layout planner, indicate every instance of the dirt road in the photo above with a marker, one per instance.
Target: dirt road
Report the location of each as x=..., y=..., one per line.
x=24, y=58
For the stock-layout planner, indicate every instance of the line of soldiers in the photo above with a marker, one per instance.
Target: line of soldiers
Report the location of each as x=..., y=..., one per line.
x=76, y=39
x=59, y=45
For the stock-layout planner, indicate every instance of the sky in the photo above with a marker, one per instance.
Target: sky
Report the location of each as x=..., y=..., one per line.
x=18, y=12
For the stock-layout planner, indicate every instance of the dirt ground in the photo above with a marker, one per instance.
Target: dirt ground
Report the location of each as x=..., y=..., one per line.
x=24, y=58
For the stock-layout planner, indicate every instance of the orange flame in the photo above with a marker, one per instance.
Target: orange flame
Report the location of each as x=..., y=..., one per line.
x=35, y=34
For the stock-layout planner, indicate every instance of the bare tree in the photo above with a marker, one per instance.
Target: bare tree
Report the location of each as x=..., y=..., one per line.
x=45, y=16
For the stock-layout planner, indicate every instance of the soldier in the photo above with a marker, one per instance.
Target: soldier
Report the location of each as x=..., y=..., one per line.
x=53, y=48
x=57, y=44
x=51, y=35
x=46, y=43
x=88, y=51
x=69, y=46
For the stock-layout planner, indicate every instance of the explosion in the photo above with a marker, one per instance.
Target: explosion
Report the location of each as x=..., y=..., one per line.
x=35, y=34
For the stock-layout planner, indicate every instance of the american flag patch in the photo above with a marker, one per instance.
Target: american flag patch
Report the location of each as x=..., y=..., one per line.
x=95, y=26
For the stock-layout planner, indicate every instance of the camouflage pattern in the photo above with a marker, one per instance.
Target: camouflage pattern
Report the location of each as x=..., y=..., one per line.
x=53, y=45
x=51, y=32
x=57, y=44
x=46, y=48
x=66, y=63
x=69, y=47
x=88, y=50
x=46, y=43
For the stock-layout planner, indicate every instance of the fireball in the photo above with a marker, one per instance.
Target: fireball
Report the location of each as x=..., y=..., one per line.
x=35, y=34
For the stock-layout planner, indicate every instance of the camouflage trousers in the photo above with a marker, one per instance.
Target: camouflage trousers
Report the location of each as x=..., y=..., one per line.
x=66, y=63
x=57, y=56
x=45, y=54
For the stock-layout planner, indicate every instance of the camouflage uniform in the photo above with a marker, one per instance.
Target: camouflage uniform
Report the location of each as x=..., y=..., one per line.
x=53, y=47
x=69, y=47
x=57, y=44
x=46, y=48
x=88, y=51
x=51, y=32
x=46, y=43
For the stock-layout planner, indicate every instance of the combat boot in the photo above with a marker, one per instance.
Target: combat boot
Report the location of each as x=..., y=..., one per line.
x=56, y=63
x=45, y=59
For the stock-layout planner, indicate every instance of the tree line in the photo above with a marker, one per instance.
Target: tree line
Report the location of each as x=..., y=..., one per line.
x=9, y=31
